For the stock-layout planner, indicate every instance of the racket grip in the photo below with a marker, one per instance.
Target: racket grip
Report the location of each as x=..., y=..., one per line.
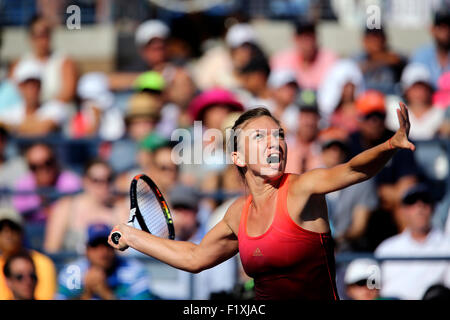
x=115, y=237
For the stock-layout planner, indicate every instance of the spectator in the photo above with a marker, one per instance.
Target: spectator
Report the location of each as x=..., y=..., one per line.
x=349, y=209
x=304, y=148
x=398, y=175
x=406, y=280
x=45, y=173
x=436, y=56
x=184, y=202
x=425, y=118
x=254, y=90
x=59, y=72
x=441, y=97
x=141, y=118
x=70, y=217
x=31, y=118
x=284, y=93
x=310, y=62
x=360, y=280
x=337, y=95
x=11, y=244
x=20, y=275
x=11, y=167
x=219, y=65
x=103, y=274
x=380, y=66
x=97, y=116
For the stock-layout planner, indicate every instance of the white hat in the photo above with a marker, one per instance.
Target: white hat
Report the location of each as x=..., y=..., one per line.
x=149, y=30
x=360, y=269
x=413, y=73
x=26, y=70
x=281, y=77
x=94, y=86
x=239, y=34
x=7, y=213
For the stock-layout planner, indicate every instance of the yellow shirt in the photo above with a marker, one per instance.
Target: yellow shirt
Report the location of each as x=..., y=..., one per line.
x=46, y=274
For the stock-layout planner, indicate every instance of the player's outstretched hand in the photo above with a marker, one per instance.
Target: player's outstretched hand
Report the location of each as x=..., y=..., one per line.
x=400, y=138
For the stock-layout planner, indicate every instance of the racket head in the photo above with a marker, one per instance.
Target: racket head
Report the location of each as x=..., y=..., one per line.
x=150, y=208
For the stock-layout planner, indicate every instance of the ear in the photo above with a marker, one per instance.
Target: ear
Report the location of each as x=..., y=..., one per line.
x=235, y=156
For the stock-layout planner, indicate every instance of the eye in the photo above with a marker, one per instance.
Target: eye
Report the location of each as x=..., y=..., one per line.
x=279, y=134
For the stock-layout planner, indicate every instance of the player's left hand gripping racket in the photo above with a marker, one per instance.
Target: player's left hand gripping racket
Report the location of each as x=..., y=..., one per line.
x=149, y=208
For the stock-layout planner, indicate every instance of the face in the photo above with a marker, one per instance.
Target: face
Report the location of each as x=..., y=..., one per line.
x=333, y=155
x=40, y=36
x=418, y=215
x=98, y=181
x=308, y=126
x=140, y=127
x=42, y=164
x=100, y=254
x=285, y=95
x=372, y=127
x=240, y=56
x=361, y=292
x=185, y=222
x=30, y=91
x=441, y=34
x=253, y=81
x=262, y=148
x=307, y=44
x=181, y=89
x=10, y=238
x=162, y=168
x=23, y=279
x=214, y=115
x=154, y=52
x=374, y=43
x=418, y=93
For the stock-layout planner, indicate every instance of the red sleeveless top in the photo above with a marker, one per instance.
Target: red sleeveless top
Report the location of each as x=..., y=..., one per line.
x=287, y=261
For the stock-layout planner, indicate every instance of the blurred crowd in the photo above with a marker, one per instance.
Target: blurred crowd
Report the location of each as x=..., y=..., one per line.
x=331, y=108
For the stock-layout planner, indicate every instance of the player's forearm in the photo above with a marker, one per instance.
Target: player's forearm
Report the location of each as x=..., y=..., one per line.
x=178, y=254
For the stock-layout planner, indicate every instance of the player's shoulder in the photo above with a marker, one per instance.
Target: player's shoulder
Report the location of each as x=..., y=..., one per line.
x=233, y=215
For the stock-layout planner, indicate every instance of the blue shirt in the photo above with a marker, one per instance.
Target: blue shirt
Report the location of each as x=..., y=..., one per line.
x=129, y=281
x=427, y=55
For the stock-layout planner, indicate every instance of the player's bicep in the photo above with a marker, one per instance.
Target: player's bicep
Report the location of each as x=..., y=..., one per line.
x=218, y=245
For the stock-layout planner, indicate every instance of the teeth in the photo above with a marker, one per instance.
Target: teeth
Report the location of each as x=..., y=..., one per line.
x=273, y=158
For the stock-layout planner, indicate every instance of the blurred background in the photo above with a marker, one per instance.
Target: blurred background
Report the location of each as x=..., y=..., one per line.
x=92, y=91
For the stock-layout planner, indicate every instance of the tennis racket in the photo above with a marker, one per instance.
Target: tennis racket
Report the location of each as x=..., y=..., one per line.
x=149, y=209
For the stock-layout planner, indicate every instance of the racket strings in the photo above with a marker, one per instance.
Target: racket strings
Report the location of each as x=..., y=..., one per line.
x=151, y=211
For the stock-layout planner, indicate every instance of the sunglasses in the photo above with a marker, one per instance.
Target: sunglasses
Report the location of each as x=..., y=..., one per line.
x=166, y=168
x=20, y=276
x=99, y=242
x=100, y=180
x=425, y=198
x=49, y=163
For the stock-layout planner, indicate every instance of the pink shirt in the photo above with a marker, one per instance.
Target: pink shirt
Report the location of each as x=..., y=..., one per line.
x=66, y=182
x=308, y=77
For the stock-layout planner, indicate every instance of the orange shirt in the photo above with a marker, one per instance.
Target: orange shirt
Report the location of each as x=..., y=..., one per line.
x=46, y=274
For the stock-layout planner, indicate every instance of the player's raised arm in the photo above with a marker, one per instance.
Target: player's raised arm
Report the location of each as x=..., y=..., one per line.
x=361, y=167
x=218, y=245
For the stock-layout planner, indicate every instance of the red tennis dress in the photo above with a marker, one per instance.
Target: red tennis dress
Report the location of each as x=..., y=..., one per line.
x=287, y=261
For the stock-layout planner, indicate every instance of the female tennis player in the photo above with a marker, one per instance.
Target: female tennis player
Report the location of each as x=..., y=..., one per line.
x=280, y=229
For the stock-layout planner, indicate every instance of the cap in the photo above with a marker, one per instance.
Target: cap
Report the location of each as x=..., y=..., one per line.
x=153, y=142
x=150, y=30
x=10, y=214
x=185, y=196
x=375, y=31
x=442, y=17
x=413, y=73
x=151, y=81
x=333, y=135
x=142, y=105
x=307, y=101
x=27, y=70
x=94, y=86
x=213, y=97
x=97, y=232
x=239, y=34
x=359, y=269
x=281, y=77
x=418, y=192
x=371, y=101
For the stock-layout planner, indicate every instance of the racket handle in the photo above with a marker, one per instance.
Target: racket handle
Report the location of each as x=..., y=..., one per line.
x=115, y=237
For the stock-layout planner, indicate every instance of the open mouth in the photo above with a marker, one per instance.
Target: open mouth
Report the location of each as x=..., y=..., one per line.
x=273, y=158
